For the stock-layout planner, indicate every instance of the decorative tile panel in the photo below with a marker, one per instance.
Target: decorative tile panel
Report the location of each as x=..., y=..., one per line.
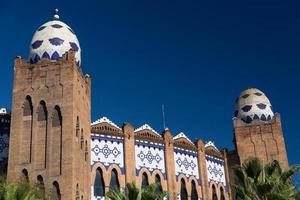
x=186, y=163
x=215, y=170
x=107, y=150
x=149, y=155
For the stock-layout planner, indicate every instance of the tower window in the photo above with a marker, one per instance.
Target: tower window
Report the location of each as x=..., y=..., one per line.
x=81, y=139
x=56, y=191
x=86, y=153
x=77, y=192
x=77, y=127
x=24, y=175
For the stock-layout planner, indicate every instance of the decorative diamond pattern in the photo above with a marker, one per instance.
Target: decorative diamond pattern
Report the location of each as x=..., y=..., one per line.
x=106, y=151
x=186, y=164
x=150, y=157
x=215, y=171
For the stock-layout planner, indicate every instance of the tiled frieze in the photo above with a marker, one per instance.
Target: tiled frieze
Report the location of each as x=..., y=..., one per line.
x=186, y=163
x=107, y=150
x=149, y=155
x=215, y=170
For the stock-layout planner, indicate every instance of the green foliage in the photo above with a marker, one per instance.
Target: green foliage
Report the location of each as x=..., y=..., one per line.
x=131, y=192
x=298, y=195
x=270, y=182
x=21, y=190
x=152, y=192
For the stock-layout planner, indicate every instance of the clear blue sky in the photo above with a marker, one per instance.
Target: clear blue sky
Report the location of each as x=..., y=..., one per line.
x=193, y=56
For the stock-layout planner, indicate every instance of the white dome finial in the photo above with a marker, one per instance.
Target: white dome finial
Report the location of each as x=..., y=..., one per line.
x=52, y=40
x=56, y=16
x=253, y=104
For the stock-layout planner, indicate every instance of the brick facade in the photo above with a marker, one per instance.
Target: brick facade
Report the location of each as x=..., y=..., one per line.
x=48, y=97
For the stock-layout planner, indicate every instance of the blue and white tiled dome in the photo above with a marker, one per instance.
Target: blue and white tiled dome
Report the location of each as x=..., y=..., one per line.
x=52, y=40
x=253, y=104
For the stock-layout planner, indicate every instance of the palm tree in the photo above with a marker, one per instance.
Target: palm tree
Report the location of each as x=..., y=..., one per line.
x=153, y=192
x=131, y=192
x=21, y=190
x=257, y=182
x=297, y=195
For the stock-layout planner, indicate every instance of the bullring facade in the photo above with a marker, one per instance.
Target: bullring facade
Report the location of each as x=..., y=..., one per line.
x=145, y=156
x=53, y=142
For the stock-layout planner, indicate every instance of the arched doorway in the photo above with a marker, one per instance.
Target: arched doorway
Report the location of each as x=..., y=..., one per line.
x=183, y=191
x=194, y=194
x=158, y=182
x=222, y=194
x=145, y=182
x=114, y=180
x=214, y=193
x=99, y=188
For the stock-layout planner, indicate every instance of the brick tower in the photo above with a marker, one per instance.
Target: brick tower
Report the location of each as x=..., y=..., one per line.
x=257, y=131
x=50, y=125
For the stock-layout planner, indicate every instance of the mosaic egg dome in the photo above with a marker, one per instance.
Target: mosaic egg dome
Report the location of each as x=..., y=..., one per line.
x=253, y=104
x=52, y=40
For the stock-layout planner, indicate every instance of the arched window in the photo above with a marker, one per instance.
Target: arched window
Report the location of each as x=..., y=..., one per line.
x=26, y=145
x=42, y=113
x=56, y=191
x=57, y=117
x=57, y=136
x=114, y=180
x=158, y=182
x=81, y=139
x=183, y=191
x=145, y=182
x=86, y=153
x=214, y=193
x=77, y=127
x=194, y=195
x=99, y=190
x=28, y=108
x=24, y=175
x=222, y=194
x=40, y=182
x=77, y=192
x=41, y=146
